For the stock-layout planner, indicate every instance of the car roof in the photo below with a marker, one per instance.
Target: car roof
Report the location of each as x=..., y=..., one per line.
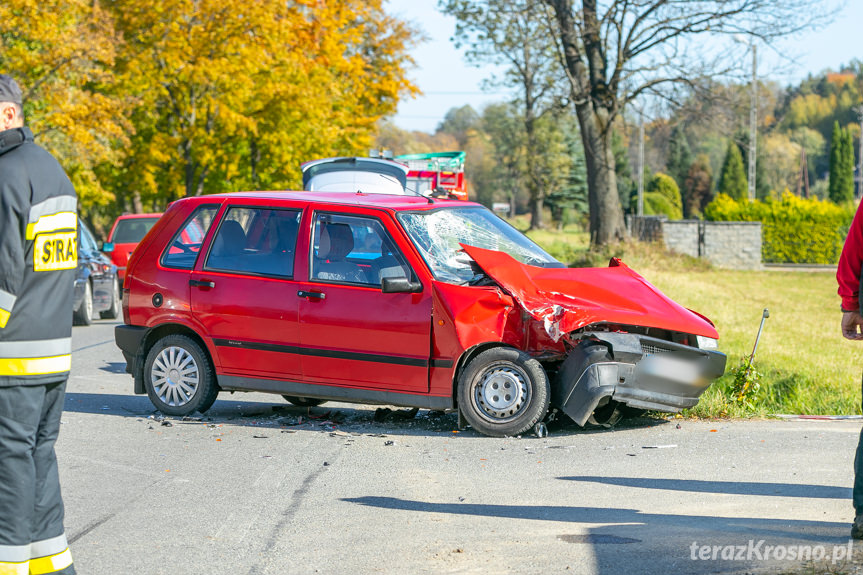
x=382, y=201
x=136, y=216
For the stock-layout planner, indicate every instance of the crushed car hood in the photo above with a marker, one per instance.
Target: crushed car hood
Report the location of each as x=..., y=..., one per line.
x=566, y=299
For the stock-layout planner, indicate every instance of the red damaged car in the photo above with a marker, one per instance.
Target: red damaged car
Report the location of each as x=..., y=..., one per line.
x=397, y=300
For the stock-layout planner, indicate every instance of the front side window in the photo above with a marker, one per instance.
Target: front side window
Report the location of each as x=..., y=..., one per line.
x=184, y=247
x=438, y=235
x=256, y=241
x=355, y=250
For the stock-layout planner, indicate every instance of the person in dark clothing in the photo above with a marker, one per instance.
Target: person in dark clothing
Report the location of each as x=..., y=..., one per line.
x=38, y=258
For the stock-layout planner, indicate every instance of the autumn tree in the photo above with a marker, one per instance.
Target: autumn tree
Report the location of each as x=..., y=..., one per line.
x=698, y=186
x=732, y=178
x=615, y=51
x=232, y=95
x=514, y=34
x=502, y=125
x=62, y=54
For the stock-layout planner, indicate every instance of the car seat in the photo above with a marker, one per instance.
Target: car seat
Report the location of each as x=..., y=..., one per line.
x=336, y=242
x=229, y=243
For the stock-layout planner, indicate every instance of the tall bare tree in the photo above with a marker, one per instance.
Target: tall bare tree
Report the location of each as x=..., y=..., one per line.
x=614, y=51
x=515, y=35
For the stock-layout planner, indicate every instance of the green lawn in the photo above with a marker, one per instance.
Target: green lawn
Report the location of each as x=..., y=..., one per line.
x=807, y=366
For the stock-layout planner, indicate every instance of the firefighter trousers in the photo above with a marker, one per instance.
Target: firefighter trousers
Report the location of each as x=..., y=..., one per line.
x=32, y=539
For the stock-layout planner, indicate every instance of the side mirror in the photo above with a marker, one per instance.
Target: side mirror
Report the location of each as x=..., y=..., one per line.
x=107, y=247
x=400, y=285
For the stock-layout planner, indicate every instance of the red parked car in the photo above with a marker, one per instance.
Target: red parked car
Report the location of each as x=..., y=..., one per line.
x=128, y=230
x=397, y=300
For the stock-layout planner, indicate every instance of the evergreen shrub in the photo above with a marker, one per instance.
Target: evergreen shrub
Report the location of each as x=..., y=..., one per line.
x=793, y=229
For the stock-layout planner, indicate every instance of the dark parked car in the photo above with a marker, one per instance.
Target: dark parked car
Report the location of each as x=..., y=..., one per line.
x=96, y=285
x=400, y=300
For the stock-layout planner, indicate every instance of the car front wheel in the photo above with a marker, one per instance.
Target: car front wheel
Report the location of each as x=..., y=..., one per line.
x=178, y=376
x=503, y=391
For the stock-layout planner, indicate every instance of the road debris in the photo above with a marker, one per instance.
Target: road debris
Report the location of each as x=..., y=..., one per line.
x=658, y=446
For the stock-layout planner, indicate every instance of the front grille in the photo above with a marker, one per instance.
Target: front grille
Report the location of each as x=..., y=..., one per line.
x=648, y=349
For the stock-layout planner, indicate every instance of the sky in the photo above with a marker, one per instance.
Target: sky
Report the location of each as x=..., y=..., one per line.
x=447, y=81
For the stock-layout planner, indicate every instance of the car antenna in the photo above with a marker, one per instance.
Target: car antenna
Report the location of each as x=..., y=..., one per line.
x=408, y=188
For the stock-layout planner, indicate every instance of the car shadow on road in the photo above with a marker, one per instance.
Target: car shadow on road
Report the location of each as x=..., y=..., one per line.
x=761, y=489
x=667, y=538
x=326, y=418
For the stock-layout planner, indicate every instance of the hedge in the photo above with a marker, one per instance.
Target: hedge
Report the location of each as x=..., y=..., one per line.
x=793, y=230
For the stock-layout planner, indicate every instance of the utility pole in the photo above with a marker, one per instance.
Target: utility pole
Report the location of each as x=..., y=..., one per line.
x=753, y=123
x=641, y=166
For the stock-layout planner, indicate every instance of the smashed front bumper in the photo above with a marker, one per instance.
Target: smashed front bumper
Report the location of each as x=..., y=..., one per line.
x=636, y=370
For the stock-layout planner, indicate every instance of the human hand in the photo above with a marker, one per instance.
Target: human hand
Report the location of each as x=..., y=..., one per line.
x=852, y=325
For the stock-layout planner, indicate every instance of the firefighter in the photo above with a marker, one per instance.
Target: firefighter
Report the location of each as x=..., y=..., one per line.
x=38, y=257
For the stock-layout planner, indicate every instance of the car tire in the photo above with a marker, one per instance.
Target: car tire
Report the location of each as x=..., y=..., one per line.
x=178, y=376
x=114, y=311
x=503, y=391
x=84, y=314
x=304, y=401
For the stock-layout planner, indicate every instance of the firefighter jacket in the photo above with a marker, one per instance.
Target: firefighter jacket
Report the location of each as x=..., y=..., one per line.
x=38, y=260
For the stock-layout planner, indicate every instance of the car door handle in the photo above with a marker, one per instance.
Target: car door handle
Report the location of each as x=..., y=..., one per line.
x=202, y=283
x=312, y=294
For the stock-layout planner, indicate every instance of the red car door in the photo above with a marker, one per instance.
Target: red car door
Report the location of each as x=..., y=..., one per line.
x=351, y=332
x=244, y=295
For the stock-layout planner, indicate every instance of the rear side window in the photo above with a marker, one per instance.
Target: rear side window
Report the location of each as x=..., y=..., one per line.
x=256, y=241
x=184, y=247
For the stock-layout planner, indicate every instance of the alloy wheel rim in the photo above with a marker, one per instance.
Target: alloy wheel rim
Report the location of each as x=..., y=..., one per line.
x=175, y=376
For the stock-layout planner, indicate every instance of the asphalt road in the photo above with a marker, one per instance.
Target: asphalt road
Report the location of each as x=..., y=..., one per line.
x=261, y=487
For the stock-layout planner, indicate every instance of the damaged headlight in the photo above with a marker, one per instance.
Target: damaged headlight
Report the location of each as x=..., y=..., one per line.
x=706, y=342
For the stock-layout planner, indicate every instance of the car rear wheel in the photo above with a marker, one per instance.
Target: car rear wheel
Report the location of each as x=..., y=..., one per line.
x=503, y=391
x=113, y=311
x=178, y=376
x=304, y=401
x=84, y=314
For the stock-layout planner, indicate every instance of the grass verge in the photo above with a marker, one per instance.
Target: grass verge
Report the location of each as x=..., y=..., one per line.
x=807, y=366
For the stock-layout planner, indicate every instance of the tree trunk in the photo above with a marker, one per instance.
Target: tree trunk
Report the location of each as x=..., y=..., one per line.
x=594, y=103
x=606, y=217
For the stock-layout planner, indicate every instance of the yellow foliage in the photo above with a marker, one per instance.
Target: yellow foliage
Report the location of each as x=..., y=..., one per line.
x=61, y=52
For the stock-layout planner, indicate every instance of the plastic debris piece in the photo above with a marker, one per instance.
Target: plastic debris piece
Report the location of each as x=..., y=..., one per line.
x=167, y=424
x=540, y=430
x=390, y=442
x=713, y=430
x=261, y=436
x=657, y=446
x=326, y=464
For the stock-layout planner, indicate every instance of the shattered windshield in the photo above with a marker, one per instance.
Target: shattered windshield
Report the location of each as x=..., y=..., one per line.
x=438, y=233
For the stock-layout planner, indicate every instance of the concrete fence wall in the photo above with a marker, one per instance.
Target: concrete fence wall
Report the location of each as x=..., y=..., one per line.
x=734, y=245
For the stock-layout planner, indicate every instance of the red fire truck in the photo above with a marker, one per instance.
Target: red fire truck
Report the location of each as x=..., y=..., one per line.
x=431, y=172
